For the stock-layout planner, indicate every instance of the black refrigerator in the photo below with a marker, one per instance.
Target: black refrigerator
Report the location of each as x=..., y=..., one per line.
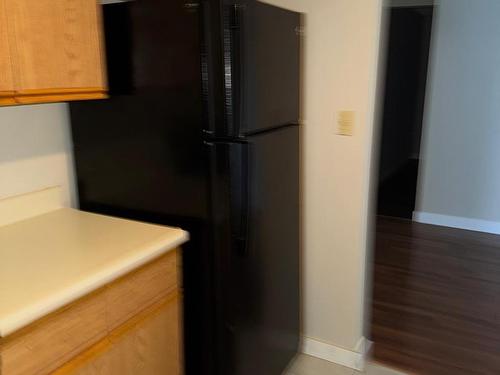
x=201, y=131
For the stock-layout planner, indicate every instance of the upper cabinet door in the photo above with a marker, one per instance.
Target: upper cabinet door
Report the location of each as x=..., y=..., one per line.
x=6, y=83
x=57, y=49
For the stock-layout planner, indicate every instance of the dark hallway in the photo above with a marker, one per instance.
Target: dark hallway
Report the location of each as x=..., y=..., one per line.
x=406, y=76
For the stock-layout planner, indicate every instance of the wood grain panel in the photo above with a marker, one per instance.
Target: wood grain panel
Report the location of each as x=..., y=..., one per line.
x=56, y=44
x=52, y=341
x=147, y=344
x=145, y=286
x=8, y=99
x=6, y=82
x=436, y=299
x=58, y=95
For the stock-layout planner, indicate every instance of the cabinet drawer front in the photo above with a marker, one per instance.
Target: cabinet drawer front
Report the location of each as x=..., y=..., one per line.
x=131, y=294
x=54, y=340
x=148, y=344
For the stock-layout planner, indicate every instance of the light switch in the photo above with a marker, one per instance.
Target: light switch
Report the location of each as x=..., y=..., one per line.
x=345, y=122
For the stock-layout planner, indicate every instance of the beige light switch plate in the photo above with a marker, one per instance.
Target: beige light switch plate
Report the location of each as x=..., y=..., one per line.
x=345, y=122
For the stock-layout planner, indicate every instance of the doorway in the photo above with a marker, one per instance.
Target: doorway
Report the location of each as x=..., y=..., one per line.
x=436, y=284
x=403, y=108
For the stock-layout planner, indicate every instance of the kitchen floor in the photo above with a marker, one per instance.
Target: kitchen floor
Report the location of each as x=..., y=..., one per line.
x=436, y=299
x=307, y=365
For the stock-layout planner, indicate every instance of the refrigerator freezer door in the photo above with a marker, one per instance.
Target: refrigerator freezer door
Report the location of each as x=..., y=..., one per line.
x=262, y=67
x=258, y=250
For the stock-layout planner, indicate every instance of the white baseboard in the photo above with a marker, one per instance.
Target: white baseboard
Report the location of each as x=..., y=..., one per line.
x=457, y=222
x=344, y=357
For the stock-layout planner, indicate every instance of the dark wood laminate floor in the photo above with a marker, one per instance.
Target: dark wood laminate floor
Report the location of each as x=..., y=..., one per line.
x=436, y=300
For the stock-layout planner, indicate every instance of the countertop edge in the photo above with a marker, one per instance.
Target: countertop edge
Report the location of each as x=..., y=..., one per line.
x=31, y=313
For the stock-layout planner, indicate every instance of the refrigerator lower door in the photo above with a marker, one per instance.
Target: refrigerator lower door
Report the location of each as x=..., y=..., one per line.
x=256, y=209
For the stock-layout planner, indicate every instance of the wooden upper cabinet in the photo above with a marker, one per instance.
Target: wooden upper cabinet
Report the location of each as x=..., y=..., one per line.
x=6, y=82
x=56, y=50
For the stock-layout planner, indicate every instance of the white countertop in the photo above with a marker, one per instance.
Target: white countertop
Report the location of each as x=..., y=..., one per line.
x=55, y=258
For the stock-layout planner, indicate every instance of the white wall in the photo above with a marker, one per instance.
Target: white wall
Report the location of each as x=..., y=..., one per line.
x=460, y=175
x=35, y=150
x=341, y=47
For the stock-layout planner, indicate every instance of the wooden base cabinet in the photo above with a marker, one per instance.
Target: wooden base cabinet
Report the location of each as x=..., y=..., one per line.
x=51, y=50
x=148, y=345
x=129, y=327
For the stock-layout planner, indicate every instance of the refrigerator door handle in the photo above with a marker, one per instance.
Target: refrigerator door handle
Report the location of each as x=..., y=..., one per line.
x=230, y=180
x=240, y=201
x=233, y=18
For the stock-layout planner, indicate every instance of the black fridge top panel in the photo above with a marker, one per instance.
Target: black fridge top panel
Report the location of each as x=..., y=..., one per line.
x=242, y=57
x=261, y=56
x=271, y=68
